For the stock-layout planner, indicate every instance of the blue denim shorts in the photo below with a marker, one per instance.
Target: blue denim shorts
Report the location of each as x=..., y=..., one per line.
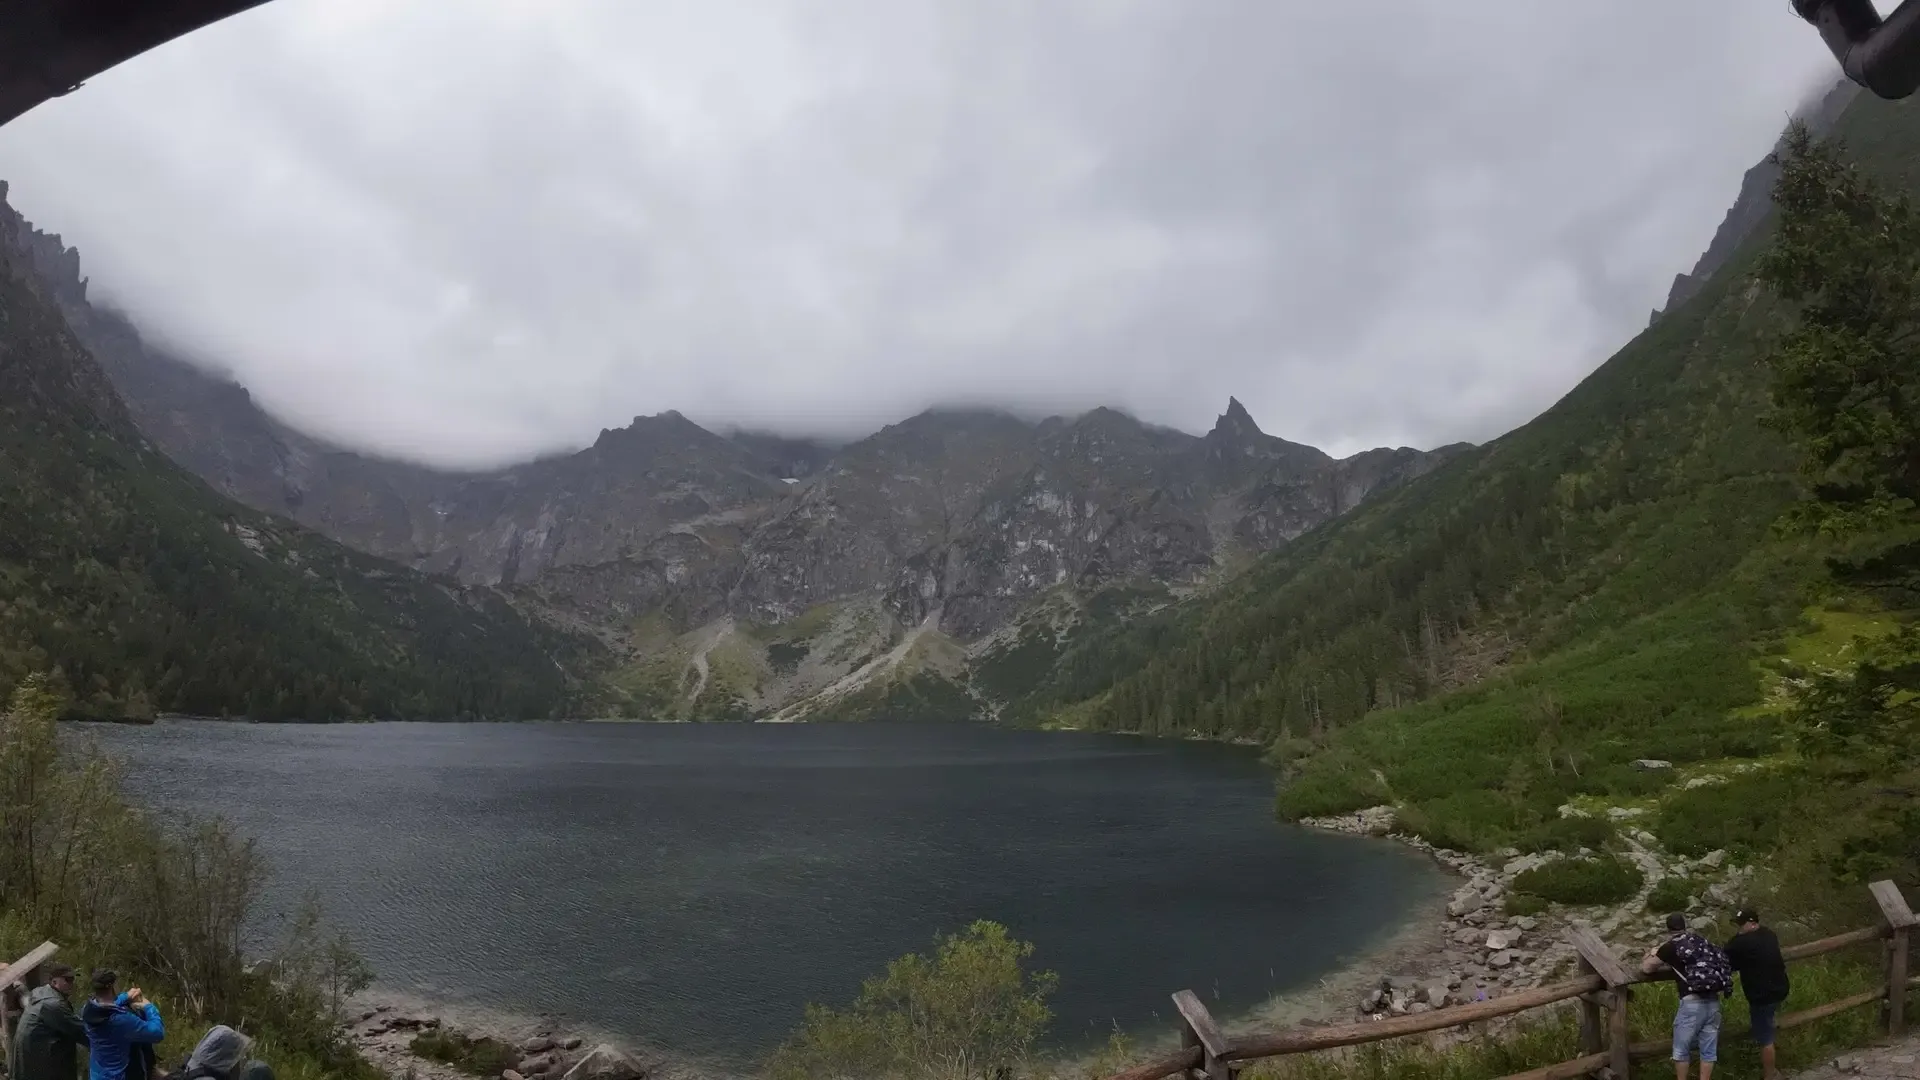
x=1762, y=1017
x=1697, y=1021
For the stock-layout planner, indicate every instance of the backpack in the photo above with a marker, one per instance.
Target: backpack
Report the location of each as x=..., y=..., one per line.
x=1702, y=968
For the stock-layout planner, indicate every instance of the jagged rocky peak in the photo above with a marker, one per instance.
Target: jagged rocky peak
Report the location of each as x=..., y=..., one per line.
x=668, y=432
x=1236, y=423
x=1236, y=441
x=56, y=264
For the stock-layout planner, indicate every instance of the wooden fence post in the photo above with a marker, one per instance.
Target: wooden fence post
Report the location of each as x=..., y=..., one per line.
x=19, y=972
x=1593, y=1037
x=1900, y=920
x=1198, y=1029
x=1597, y=958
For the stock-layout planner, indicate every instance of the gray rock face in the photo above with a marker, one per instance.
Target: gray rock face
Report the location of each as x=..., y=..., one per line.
x=885, y=505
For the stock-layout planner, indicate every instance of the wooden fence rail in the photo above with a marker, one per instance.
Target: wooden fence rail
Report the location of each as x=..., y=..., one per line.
x=1603, y=988
x=22, y=972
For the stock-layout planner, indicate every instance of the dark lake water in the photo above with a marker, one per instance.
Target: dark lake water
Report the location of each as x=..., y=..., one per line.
x=691, y=887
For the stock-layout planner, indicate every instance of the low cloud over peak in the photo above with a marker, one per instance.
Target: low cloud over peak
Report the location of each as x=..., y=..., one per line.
x=469, y=233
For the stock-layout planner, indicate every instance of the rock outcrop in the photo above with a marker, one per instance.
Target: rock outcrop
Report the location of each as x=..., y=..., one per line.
x=1482, y=950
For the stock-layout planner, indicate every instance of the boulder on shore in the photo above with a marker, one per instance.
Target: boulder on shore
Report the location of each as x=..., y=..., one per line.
x=605, y=1062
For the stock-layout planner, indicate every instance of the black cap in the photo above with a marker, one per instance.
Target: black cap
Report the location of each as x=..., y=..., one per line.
x=1676, y=921
x=104, y=980
x=1746, y=915
x=57, y=971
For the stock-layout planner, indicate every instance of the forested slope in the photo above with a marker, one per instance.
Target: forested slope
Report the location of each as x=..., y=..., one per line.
x=148, y=591
x=1599, y=585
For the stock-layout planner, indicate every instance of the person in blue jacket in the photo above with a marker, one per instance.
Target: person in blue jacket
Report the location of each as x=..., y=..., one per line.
x=122, y=1030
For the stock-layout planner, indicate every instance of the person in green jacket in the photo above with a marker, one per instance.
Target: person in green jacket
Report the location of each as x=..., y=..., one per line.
x=46, y=1045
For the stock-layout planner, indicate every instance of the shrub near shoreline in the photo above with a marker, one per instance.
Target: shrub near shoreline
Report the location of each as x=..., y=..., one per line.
x=164, y=906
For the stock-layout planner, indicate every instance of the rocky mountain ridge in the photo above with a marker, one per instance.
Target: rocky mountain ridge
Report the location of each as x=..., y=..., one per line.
x=956, y=519
x=826, y=521
x=1751, y=206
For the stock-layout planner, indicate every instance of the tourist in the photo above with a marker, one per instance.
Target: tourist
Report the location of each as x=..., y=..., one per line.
x=222, y=1055
x=1754, y=952
x=47, y=1043
x=122, y=1030
x=1704, y=976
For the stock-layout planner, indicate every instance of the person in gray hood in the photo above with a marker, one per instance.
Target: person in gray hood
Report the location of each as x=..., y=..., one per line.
x=47, y=1043
x=222, y=1055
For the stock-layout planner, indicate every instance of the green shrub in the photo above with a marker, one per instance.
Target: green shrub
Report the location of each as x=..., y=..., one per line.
x=1602, y=880
x=1475, y=820
x=1439, y=829
x=784, y=657
x=1672, y=894
x=483, y=1056
x=1626, y=782
x=1519, y=903
x=1334, y=784
x=1744, y=814
x=1007, y=673
x=969, y=1011
x=162, y=900
x=1568, y=834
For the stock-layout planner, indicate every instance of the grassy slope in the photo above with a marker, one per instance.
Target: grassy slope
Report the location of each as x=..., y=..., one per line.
x=1510, y=631
x=150, y=591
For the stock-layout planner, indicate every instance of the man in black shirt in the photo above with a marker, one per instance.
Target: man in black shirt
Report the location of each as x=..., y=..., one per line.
x=1754, y=952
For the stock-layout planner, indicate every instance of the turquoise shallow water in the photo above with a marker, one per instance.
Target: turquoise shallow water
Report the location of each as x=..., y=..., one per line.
x=691, y=887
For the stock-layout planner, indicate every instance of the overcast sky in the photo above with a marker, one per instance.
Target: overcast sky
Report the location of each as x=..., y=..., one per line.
x=467, y=231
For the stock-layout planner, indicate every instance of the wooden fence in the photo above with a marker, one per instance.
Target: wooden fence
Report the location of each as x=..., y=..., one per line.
x=1603, y=989
x=24, y=972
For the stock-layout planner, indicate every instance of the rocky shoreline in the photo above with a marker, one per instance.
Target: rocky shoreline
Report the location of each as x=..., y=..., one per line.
x=384, y=1032
x=1477, y=951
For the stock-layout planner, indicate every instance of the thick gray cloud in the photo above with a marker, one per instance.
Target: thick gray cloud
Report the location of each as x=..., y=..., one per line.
x=467, y=232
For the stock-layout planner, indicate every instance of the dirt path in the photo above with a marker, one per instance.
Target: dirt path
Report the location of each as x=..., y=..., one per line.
x=1893, y=1061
